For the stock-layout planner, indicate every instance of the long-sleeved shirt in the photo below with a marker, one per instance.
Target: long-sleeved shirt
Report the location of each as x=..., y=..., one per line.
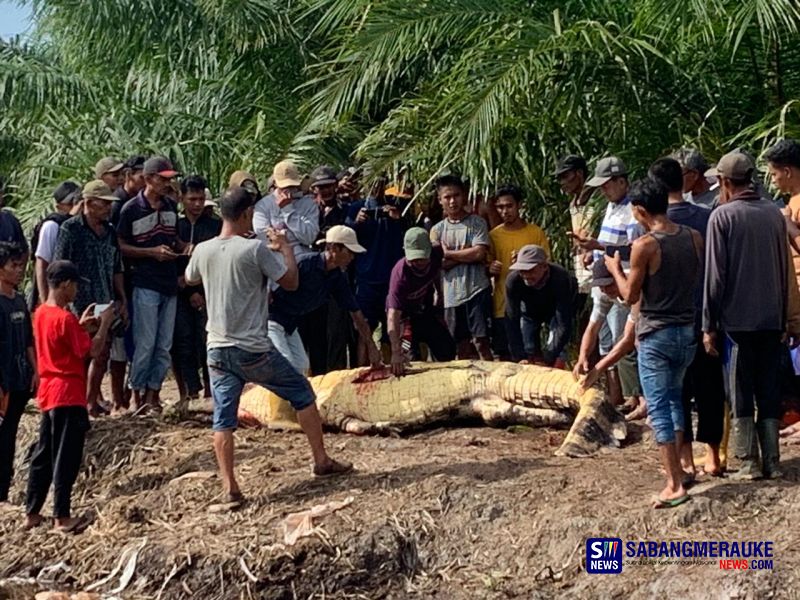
x=552, y=304
x=746, y=272
x=300, y=219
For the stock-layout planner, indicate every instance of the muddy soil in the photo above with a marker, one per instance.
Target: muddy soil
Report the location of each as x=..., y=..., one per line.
x=462, y=512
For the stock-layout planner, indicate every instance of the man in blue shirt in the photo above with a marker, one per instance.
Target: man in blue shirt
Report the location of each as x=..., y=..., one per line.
x=377, y=222
x=321, y=276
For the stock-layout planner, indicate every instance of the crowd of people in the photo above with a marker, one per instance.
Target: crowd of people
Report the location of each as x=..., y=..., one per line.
x=682, y=291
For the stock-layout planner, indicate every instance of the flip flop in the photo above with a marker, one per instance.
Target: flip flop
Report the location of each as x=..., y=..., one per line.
x=688, y=480
x=661, y=503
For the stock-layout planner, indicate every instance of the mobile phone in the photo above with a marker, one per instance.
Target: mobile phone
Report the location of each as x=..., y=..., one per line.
x=99, y=308
x=624, y=252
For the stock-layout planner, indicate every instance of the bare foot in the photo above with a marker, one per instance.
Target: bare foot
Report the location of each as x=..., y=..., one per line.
x=332, y=468
x=639, y=413
x=32, y=521
x=630, y=404
x=712, y=464
x=97, y=410
x=69, y=524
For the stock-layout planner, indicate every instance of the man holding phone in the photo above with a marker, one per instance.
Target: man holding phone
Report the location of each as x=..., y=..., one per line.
x=90, y=243
x=148, y=236
x=287, y=209
x=618, y=228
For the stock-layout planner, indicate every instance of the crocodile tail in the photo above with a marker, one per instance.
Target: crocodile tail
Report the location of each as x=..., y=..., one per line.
x=597, y=425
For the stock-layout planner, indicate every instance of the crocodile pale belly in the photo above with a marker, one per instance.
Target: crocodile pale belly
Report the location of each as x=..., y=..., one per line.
x=363, y=401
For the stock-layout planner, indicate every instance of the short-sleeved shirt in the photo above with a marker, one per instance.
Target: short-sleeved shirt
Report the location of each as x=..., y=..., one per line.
x=466, y=280
x=619, y=227
x=412, y=292
x=46, y=246
x=97, y=257
x=16, y=336
x=61, y=349
x=235, y=273
x=504, y=243
x=316, y=285
x=144, y=227
x=11, y=230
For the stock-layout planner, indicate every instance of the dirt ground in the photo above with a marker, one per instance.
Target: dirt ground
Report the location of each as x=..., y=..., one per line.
x=457, y=512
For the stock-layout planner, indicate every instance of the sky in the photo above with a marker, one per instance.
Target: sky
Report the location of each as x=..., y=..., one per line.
x=14, y=19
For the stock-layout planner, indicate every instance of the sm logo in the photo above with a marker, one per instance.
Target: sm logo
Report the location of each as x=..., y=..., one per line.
x=603, y=555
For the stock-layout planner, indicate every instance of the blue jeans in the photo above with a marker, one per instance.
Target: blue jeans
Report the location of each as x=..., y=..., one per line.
x=229, y=368
x=290, y=345
x=664, y=356
x=153, y=326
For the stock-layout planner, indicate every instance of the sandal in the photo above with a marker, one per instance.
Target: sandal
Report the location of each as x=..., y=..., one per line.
x=661, y=503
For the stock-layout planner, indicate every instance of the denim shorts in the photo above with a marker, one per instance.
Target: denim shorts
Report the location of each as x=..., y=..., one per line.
x=230, y=368
x=664, y=356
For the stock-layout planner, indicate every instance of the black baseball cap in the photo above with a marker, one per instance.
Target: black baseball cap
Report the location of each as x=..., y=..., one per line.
x=159, y=165
x=60, y=271
x=601, y=276
x=134, y=163
x=572, y=162
x=323, y=175
x=67, y=192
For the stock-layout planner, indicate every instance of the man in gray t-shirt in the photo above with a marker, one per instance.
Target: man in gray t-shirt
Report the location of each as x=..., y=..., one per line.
x=236, y=274
x=466, y=288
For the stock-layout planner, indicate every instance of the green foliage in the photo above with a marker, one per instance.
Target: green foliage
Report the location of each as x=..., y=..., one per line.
x=494, y=90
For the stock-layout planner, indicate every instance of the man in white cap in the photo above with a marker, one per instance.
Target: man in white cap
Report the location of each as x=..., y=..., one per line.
x=322, y=276
x=288, y=209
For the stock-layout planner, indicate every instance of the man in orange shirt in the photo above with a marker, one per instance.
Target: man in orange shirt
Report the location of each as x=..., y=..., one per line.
x=783, y=160
x=62, y=344
x=507, y=239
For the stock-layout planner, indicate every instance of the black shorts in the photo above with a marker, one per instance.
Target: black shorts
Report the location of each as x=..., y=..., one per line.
x=470, y=319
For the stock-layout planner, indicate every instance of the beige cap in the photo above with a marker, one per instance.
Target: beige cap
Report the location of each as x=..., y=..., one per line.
x=239, y=177
x=98, y=189
x=286, y=175
x=341, y=234
x=109, y=164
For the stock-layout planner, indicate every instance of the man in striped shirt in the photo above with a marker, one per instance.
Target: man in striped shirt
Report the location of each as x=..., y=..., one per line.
x=618, y=229
x=148, y=237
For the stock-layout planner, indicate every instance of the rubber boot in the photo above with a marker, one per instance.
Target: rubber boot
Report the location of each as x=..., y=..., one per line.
x=745, y=448
x=770, y=448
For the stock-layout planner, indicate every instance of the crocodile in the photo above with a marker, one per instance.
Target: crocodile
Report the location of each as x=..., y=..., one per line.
x=363, y=401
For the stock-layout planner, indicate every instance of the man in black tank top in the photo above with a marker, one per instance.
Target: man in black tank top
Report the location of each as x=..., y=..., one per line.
x=665, y=267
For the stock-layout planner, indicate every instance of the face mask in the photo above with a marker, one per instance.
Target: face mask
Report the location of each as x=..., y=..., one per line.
x=687, y=196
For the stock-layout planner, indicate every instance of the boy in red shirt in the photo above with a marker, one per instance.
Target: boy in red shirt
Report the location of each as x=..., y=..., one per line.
x=62, y=344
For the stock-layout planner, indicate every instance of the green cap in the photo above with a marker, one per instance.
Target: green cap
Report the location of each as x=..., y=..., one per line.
x=417, y=244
